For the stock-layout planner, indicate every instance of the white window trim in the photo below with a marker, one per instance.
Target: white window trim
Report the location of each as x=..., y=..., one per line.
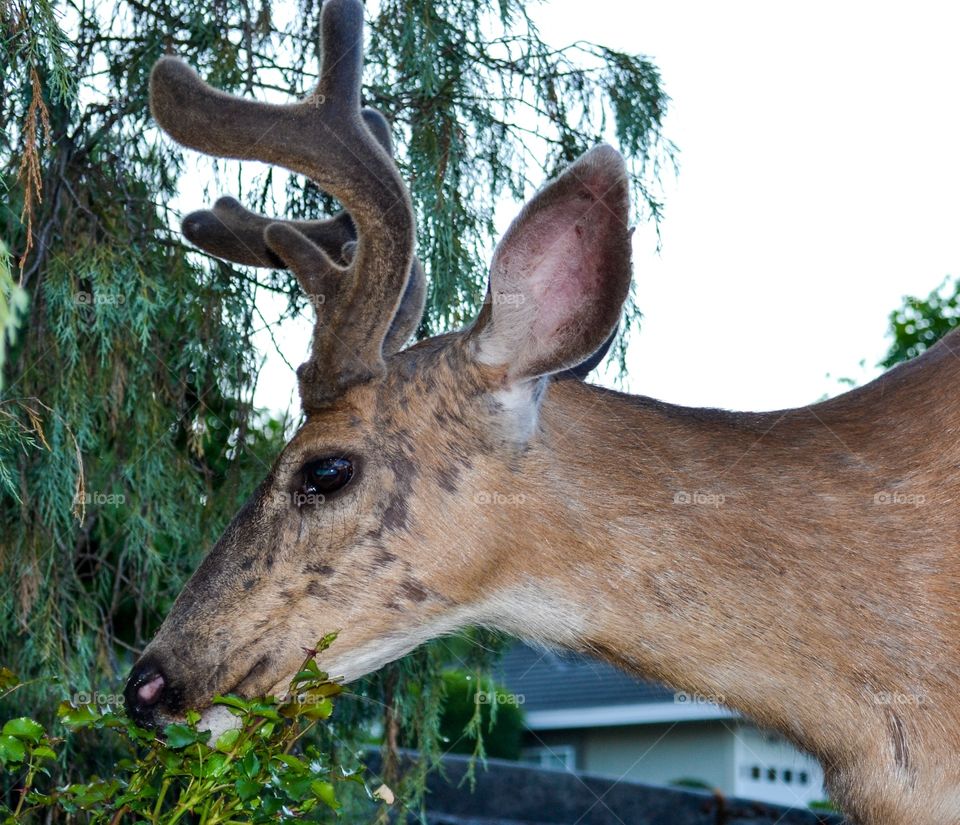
x=644, y=713
x=567, y=752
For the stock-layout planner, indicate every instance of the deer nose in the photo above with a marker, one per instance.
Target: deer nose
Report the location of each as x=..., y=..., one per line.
x=144, y=692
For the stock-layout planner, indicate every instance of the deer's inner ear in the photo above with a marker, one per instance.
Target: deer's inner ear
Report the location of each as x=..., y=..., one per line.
x=561, y=273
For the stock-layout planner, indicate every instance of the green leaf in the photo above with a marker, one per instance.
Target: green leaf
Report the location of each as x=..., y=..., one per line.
x=325, y=792
x=310, y=671
x=215, y=765
x=234, y=702
x=297, y=787
x=44, y=753
x=265, y=709
x=179, y=736
x=320, y=710
x=24, y=728
x=266, y=729
x=250, y=765
x=247, y=789
x=88, y=796
x=75, y=718
x=227, y=740
x=271, y=804
x=290, y=761
x=11, y=749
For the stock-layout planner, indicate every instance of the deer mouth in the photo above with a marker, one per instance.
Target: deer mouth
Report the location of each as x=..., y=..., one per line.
x=250, y=678
x=218, y=719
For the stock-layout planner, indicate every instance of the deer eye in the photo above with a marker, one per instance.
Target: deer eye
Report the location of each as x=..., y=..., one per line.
x=326, y=475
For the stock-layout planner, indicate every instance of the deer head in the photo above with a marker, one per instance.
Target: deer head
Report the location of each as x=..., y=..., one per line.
x=375, y=520
x=754, y=557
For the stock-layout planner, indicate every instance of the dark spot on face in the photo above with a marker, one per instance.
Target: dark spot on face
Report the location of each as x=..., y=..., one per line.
x=413, y=590
x=247, y=563
x=402, y=462
x=249, y=583
x=317, y=590
x=270, y=560
x=319, y=569
x=447, y=478
x=354, y=422
x=288, y=595
x=392, y=605
x=395, y=517
x=384, y=557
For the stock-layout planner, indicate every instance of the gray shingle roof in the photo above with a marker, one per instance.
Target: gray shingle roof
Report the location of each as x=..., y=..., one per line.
x=550, y=680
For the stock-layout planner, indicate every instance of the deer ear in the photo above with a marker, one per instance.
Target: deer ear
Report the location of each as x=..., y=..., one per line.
x=561, y=273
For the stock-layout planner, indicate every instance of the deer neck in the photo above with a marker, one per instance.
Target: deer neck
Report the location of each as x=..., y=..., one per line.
x=709, y=550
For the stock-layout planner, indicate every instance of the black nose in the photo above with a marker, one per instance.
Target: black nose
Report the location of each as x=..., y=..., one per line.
x=145, y=691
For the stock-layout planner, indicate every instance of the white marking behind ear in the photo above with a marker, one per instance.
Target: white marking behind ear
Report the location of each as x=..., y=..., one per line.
x=519, y=409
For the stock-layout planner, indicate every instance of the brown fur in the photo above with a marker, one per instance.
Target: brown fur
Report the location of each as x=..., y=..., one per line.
x=800, y=600
x=803, y=565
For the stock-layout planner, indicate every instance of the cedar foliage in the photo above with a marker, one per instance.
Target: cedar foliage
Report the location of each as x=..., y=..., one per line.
x=128, y=435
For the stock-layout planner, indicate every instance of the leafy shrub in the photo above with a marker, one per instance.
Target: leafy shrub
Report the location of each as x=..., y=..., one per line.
x=257, y=772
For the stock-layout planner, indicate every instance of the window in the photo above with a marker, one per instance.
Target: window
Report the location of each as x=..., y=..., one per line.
x=559, y=757
x=770, y=769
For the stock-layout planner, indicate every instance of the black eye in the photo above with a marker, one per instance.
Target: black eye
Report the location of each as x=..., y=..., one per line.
x=326, y=475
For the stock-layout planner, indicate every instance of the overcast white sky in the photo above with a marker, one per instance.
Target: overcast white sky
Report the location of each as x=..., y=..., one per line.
x=819, y=183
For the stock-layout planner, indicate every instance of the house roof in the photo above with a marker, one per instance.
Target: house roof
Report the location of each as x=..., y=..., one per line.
x=566, y=690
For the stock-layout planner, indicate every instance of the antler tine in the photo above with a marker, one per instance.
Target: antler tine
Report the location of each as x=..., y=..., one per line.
x=324, y=137
x=234, y=233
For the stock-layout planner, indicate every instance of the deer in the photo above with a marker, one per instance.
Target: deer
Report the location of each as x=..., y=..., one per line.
x=800, y=565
